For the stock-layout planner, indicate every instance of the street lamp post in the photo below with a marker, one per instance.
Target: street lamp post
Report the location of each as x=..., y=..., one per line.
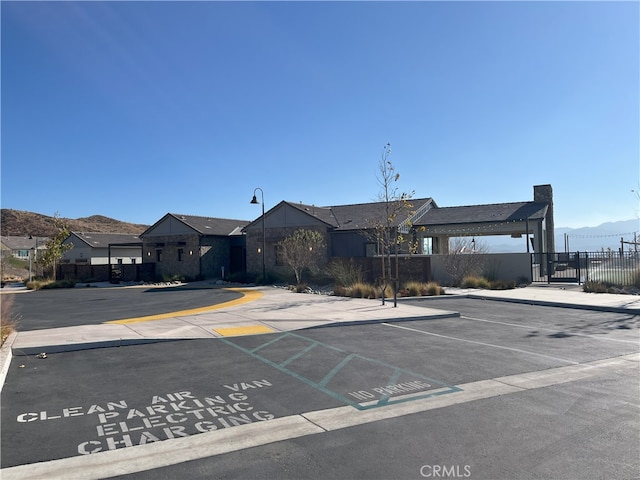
x=255, y=201
x=35, y=253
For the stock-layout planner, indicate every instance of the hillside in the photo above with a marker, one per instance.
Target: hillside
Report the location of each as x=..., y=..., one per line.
x=21, y=223
x=585, y=239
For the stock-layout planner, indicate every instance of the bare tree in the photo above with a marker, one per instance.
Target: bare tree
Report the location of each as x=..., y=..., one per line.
x=464, y=258
x=385, y=226
x=304, y=249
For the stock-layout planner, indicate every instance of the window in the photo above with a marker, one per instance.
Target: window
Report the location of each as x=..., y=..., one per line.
x=158, y=255
x=180, y=254
x=427, y=246
x=370, y=249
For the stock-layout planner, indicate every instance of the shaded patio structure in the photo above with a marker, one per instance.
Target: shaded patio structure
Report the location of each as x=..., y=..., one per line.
x=531, y=220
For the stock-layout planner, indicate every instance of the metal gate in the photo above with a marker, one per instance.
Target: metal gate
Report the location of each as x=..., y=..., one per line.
x=557, y=267
x=609, y=267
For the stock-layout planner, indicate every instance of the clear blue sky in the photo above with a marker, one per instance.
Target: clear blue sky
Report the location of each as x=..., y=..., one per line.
x=135, y=109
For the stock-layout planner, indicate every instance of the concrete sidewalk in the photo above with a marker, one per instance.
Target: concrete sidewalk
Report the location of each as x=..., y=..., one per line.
x=278, y=310
x=558, y=295
x=271, y=310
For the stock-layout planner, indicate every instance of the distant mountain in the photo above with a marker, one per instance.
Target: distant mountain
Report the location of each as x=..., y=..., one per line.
x=21, y=223
x=585, y=239
x=593, y=239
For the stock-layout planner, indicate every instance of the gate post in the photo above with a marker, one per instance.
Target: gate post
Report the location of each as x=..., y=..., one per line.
x=586, y=266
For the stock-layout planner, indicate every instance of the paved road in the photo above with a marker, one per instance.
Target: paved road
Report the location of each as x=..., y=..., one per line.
x=371, y=401
x=84, y=306
x=541, y=320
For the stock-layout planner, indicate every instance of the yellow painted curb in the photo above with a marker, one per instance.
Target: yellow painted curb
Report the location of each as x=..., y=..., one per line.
x=244, y=330
x=247, y=296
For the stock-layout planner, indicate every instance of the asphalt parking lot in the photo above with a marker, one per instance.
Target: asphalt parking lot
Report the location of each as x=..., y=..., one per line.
x=83, y=306
x=504, y=391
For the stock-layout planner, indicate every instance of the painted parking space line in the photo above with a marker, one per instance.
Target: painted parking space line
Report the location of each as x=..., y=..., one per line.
x=485, y=344
x=247, y=296
x=218, y=442
x=554, y=330
x=353, y=379
x=243, y=330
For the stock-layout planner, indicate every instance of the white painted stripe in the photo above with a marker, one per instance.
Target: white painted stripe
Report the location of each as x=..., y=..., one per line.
x=343, y=417
x=595, y=337
x=204, y=445
x=501, y=347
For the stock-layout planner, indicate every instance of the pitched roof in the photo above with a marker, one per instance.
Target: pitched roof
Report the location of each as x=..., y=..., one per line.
x=103, y=240
x=23, y=243
x=357, y=216
x=212, y=226
x=491, y=213
x=324, y=214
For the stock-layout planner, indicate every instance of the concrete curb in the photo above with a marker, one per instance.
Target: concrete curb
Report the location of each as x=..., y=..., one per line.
x=529, y=301
x=76, y=347
x=6, y=353
x=124, y=342
x=545, y=303
x=351, y=323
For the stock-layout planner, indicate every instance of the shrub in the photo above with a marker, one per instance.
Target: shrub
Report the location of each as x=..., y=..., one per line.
x=481, y=282
x=344, y=272
x=378, y=291
x=593, y=286
x=362, y=290
x=416, y=289
x=473, y=281
x=37, y=284
x=45, y=284
x=433, y=288
x=340, y=291
x=8, y=320
x=59, y=284
x=357, y=290
x=502, y=284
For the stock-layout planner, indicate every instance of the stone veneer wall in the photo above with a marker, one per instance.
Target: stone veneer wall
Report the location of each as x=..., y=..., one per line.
x=273, y=236
x=189, y=267
x=544, y=193
x=410, y=268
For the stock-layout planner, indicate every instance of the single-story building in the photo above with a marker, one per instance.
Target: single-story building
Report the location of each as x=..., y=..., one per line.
x=194, y=246
x=197, y=247
x=350, y=230
x=516, y=219
x=24, y=248
x=90, y=248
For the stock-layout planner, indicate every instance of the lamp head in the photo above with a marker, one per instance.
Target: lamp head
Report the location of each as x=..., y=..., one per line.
x=254, y=200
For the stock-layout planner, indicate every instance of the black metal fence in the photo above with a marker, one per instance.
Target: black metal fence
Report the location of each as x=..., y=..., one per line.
x=616, y=268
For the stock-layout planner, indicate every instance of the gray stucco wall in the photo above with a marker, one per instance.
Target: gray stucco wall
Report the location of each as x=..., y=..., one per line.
x=504, y=266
